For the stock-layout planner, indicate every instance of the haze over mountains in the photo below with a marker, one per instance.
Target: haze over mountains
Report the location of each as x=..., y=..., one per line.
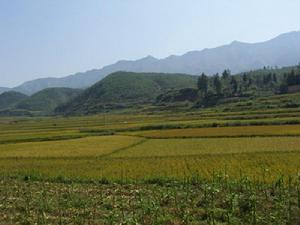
x=283, y=50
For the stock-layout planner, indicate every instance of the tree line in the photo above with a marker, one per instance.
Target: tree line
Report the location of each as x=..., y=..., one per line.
x=227, y=85
x=290, y=79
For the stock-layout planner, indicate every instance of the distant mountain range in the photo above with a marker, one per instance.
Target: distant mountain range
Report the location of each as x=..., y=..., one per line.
x=283, y=50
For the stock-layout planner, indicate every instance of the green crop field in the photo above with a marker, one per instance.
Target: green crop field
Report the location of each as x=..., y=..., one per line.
x=201, y=167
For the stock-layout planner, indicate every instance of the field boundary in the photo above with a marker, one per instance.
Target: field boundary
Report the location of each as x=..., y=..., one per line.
x=56, y=138
x=207, y=155
x=122, y=149
x=107, y=156
x=219, y=136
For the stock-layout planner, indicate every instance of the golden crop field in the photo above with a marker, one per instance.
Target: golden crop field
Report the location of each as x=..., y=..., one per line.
x=204, y=146
x=282, y=130
x=124, y=167
x=83, y=147
x=75, y=147
x=253, y=165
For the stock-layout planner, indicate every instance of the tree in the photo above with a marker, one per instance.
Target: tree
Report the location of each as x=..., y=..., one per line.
x=245, y=81
x=291, y=78
x=267, y=79
x=233, y=85
x=275, y=78
x=283, y=88
x=250, y=82
x=245, y=78
x=203, y=84
x=226, y=74
x=217, y=84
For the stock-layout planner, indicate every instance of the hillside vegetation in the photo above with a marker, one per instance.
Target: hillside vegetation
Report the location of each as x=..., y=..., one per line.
x=10, y=98
x=48, y=99
x=246, y=89
x=125, y=89
x=42, y=103
x=3, y=89
x=148, y=92
x=144, y=91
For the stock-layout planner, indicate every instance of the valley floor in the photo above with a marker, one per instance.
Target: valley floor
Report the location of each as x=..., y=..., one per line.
x=197, y=167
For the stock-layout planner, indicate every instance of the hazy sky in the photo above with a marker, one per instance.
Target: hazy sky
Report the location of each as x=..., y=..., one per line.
x=42, y=38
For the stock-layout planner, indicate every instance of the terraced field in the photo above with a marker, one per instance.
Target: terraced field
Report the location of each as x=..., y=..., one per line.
x=142, y=146
x=83, y=147
x=241, y=131
x=208, y=146
x=61, y=161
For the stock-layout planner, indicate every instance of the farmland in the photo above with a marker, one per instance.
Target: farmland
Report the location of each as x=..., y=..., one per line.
x=218, y=202
x=141, y=146
x=205, y=166
x=241, y=131
x=128, y=113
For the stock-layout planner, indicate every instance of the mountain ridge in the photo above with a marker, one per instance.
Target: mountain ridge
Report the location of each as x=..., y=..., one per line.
x=281, y=51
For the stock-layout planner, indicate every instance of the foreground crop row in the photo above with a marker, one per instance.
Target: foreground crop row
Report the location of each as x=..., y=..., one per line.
x=219, y=201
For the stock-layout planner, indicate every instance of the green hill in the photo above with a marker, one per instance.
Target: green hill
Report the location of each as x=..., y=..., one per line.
x=4, y=89
x=48, y=99
x=123, y=89
x=10, y=98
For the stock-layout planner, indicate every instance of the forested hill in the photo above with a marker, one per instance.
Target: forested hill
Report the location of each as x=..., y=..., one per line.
x=124, y=89
x=48, y=99
x=10, y=98
x=41, y=103
x=127, y=90
x=224, y=88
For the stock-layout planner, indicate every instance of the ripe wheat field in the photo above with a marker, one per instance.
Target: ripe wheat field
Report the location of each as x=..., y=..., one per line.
x=196, y=168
